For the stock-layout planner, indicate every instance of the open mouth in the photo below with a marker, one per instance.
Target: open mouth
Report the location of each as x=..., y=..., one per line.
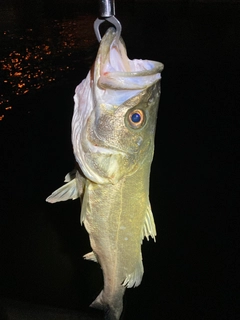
x=118, y=72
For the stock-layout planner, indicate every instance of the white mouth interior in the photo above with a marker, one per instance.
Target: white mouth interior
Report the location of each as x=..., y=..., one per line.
x=119, y=85
x=119, y=62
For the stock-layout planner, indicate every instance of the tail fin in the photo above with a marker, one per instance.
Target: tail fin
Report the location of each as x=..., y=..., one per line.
x=98, y=302
x=112, y=310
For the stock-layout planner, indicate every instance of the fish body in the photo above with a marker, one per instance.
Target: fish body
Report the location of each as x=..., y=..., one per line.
x=113, y=130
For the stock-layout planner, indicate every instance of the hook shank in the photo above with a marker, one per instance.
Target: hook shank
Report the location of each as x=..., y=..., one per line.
x=106, y=8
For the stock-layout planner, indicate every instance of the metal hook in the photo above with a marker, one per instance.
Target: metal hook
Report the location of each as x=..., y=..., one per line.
x=107, y=13
x=112, y=20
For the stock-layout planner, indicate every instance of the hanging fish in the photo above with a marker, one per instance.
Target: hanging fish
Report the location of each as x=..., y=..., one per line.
x=113, y=130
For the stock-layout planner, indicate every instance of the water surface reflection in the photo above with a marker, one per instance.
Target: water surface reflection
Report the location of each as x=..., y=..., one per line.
x=38, y=54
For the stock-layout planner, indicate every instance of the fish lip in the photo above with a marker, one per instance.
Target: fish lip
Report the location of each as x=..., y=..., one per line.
x=119, y=80
x=157, y=67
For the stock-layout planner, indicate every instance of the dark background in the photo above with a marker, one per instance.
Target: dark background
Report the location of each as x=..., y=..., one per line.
x=191, y=272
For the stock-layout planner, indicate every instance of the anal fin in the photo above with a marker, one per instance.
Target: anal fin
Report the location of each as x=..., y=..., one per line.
x=134, y=279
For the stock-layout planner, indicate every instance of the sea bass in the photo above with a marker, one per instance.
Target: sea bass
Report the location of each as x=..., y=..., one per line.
x=113, y=130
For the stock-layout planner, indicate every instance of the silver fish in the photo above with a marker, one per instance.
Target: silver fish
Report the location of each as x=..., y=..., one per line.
x=113, y=130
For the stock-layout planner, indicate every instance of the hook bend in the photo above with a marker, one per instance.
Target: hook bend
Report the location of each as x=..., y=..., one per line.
x=113, y=20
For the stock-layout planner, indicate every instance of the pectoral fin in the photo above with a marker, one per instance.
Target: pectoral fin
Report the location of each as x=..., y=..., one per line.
x=149, y=229
x=70, y=176
x=72, y=189
x=66, y=192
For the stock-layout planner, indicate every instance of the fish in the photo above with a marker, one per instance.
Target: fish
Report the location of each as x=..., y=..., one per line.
x=113, y=130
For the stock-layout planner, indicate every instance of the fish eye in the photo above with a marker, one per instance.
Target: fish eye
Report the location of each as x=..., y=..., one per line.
x=136, y=118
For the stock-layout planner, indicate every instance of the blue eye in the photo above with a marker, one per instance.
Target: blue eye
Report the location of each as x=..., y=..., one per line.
x=136, y=117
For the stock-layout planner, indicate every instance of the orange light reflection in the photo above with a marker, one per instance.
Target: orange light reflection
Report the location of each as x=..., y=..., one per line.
x=43, y=60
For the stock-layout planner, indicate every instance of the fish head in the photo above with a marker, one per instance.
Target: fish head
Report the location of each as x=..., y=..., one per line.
x=115, y=113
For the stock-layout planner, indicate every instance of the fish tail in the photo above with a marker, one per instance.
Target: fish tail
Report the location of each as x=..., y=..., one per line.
x=112, y=310
x=98, y=303
x=111, y=314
